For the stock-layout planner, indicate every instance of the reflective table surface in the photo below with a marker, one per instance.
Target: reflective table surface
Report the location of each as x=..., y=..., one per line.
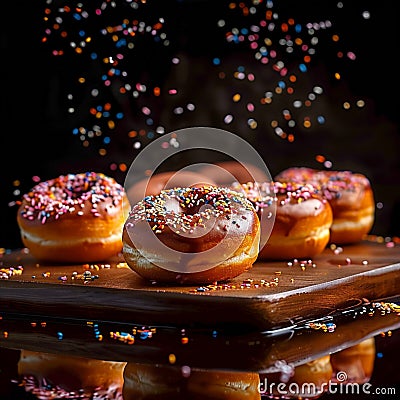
x=336, y=333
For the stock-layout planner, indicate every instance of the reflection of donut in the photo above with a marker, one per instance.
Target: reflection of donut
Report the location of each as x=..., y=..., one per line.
x=166, y=180
x=357, y=362
x=147, y=382
x=191, y=235
x=306, y=381
x=225, y=173
x=349, y=194
x=302, y=222
x=49, y=375
x=74, y=218
x=318, y=371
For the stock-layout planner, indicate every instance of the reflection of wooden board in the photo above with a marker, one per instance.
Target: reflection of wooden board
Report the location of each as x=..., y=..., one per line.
x=268, y=296
x=204, y=349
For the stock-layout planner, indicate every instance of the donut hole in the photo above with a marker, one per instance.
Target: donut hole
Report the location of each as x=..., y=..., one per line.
x=195, y=219
x=75, y=187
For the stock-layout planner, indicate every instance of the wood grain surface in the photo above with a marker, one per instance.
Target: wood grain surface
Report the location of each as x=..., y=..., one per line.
x=270, y=296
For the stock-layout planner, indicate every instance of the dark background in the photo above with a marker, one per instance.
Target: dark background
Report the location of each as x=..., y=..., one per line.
x=37, y=138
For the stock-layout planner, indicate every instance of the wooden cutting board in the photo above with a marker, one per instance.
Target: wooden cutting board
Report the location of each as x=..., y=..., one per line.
x=270, y=296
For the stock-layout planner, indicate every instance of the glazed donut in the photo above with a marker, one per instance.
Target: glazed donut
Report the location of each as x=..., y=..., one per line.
x=74, y=218
x=146, y=382
x=302, y=218
x=357, y=362
x=45, y=374
x=165, y=180
x=226, y=172
x=350, y=196
x=309, y=380
x=192, y=235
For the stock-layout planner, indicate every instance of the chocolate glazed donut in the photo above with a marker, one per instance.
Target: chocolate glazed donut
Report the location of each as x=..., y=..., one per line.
x=350, y=195
x=303, y=218
x=193, y=235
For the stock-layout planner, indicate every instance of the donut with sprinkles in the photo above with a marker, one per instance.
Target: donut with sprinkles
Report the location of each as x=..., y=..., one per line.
x=191, y=235
x=74, y=218
x=350, y=195
x=303, y=218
